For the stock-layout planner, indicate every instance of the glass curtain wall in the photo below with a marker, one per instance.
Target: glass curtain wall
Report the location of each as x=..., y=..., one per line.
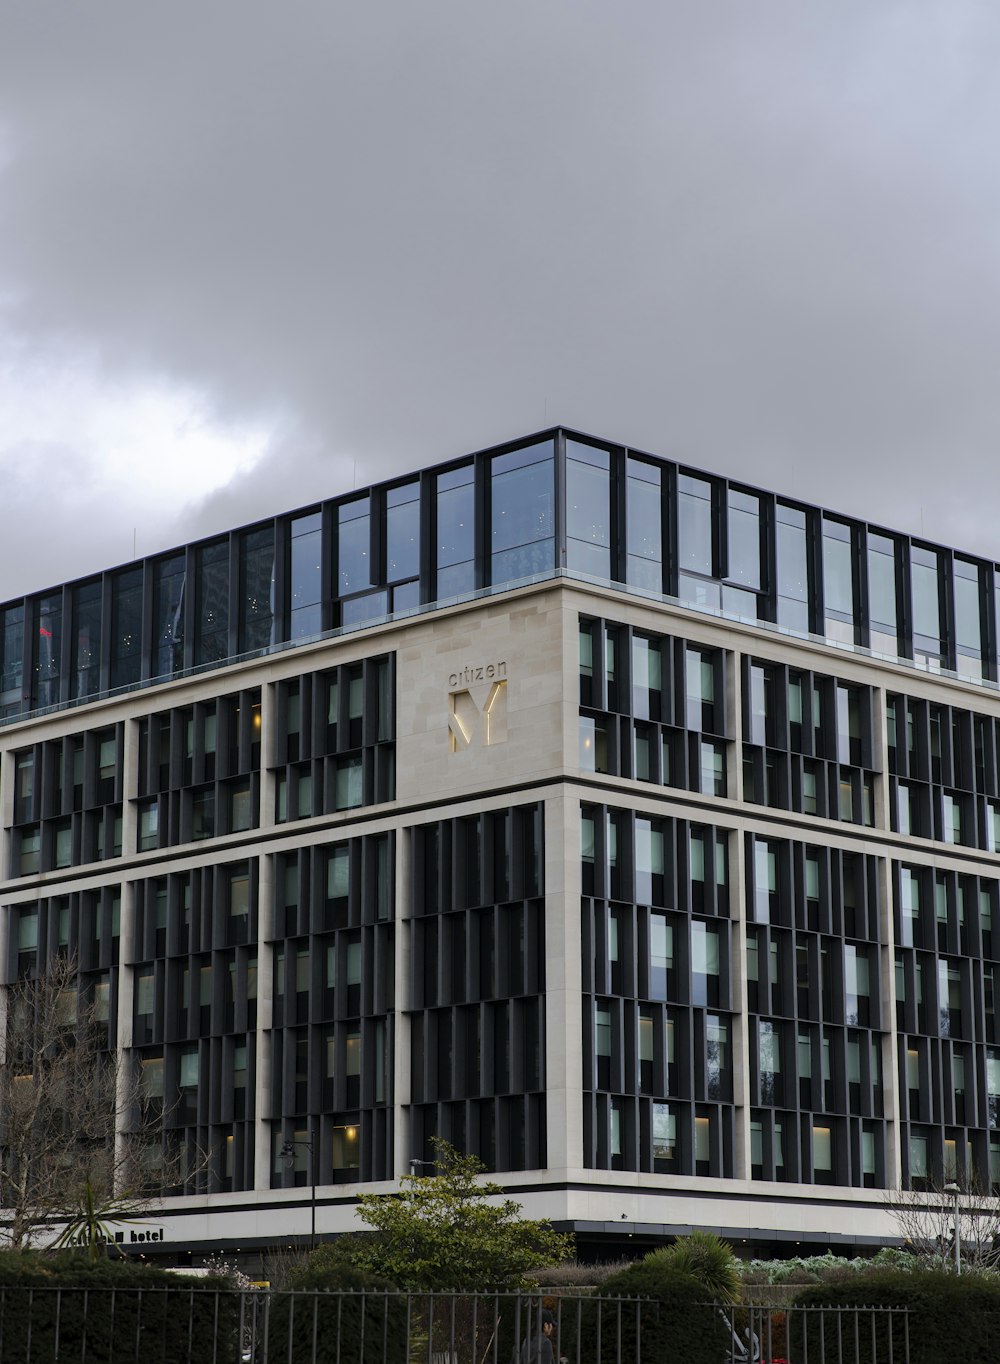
x=733, y=549
x=522, y=498
x=256, y=589
x=792, y=555
x=211, y=643
x=11, y=660
x=126, y=627
x=48, y=652
x=968, y=619
x=883, y=594
x=925, y=592
x=355, y=568
x=85, y=668
x=169, y=577
x=305, y=616
x=354, y=547
x=588, y=510
x=696, y=543
x=644, y=525
x=744, y=577
x=838, y=582
x=402, y=538
x=455, y=509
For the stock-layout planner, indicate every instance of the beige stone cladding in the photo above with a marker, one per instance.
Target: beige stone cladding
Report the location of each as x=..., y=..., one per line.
x=479, y=698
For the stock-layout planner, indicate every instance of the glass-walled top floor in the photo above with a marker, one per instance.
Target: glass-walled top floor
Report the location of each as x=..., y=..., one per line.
x=557, y=501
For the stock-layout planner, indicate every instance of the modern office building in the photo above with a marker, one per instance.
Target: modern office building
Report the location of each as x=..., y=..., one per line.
x=632, y=828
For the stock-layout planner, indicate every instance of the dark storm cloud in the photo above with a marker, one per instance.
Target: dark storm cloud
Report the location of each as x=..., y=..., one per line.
x=763, y=238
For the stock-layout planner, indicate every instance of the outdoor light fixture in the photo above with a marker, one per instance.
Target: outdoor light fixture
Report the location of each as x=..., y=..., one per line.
x=287, y=1155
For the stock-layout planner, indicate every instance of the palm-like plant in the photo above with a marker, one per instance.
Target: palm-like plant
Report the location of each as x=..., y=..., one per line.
x=707, y=1258
x=90, y=1224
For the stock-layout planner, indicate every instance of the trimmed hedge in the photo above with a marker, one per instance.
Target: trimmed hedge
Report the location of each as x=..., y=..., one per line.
x=348, y=1327
x=348, y=1315
x=951, y=1317
x=674, y=1323
x=71, y=1307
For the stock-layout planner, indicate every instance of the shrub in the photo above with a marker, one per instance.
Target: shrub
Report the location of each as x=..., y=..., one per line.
x=674, y=1322
x=810, y=1268
x=281, y=1263
x=353, y=1316
x=331, y=1267
x=950, y=1317
x=755, y=1277
x=355, y=1322
x=706, y=1258
x=576, y=1276
x=836, y=1274
x=69, y=1306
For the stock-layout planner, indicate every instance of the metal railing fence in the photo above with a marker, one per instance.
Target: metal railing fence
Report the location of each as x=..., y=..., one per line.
x=791, y=1334
x=182, y=1325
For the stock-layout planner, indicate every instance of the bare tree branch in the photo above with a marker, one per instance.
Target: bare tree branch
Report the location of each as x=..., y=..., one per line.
x=80, y=1141
x=926, y=1222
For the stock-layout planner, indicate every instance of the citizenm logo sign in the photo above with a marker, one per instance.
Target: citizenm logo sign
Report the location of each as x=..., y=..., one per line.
x=477, y=707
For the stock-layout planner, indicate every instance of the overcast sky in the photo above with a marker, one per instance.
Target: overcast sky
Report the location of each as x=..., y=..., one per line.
x=252, y=252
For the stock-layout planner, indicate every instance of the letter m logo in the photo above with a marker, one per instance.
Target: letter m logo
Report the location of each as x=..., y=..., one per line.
x=478, y=717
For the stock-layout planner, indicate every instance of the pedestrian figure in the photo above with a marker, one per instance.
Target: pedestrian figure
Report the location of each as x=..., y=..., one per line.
x=537, y=1347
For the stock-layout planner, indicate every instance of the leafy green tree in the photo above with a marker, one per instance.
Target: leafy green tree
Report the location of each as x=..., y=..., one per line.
x=452, y=1230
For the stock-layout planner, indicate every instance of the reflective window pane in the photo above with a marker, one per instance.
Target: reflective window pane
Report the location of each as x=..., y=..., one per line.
x=744, y=539
x=522, y=513
x=406, y=597
x=882, y=593
x=793, y=568
x=85, y=674
x=306, y=615
x=354, y=547
x=456, y=532
x=647, y=678
x=349, y=792
x=305, y=596
x=968, y=618
x=212, y=604
x=456, y=580
x=838, y=577
x=926, y=602
x=256, y=588
x=402, y=532
x=11, y=660
x=694, y=523
x=168, y=626
x=45, y=691
x=644, y=525
x=126, y=627
x=588, y=509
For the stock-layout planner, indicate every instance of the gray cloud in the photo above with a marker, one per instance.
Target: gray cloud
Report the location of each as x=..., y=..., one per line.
x=762, y=238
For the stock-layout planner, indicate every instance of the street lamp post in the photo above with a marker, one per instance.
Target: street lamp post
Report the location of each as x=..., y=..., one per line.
x=287, y=1154
x=414, y=1163
x=956, y=1194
